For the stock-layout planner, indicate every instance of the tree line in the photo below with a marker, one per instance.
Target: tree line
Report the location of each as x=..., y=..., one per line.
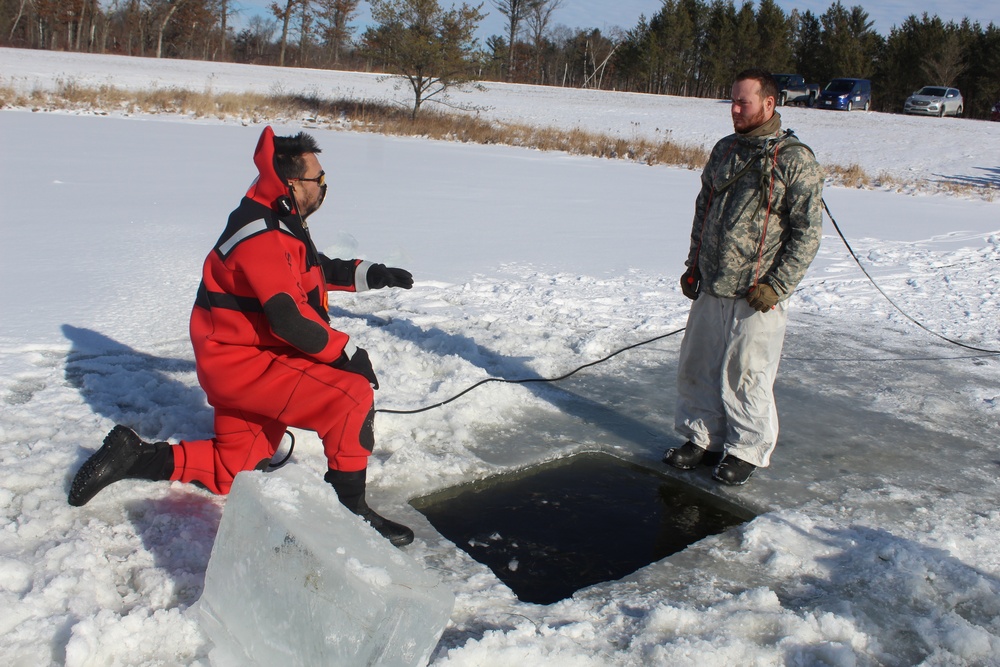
x=693, y=47
x=688, y=47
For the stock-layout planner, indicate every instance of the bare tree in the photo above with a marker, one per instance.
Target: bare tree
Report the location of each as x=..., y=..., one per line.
x=224, y=17
x=170, y=9
x=538, y=15
x=945, y=66
x=253, y=43
x=135, y=27
x=514, y=10
x=17, y=19
x=284, y=14
x=305, y=26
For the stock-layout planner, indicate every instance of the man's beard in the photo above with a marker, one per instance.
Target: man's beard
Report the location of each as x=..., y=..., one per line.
x=307, y=211
x=754, y=122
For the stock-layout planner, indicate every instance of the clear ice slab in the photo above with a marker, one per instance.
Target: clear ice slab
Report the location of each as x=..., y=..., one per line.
x=296, y=579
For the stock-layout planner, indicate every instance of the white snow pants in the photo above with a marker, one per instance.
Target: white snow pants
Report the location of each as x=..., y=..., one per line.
x=725, y=377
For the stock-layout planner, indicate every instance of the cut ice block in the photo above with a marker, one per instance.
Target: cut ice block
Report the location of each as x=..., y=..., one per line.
x=296, y=579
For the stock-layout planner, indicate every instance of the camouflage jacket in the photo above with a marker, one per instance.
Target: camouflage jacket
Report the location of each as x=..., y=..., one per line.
x=732, y=207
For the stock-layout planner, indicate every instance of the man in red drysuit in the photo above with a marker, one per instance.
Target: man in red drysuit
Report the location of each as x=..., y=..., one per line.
x=265, y=352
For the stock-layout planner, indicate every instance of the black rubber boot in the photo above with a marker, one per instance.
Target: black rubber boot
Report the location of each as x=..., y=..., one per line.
x=350, y=488
x=122, y=456
x=685, y=457
x=733, y=471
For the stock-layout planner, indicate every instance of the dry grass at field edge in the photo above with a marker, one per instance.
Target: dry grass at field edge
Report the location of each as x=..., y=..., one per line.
x=383, y=118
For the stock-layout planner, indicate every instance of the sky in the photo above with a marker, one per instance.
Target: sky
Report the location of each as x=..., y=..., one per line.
x=625, y=13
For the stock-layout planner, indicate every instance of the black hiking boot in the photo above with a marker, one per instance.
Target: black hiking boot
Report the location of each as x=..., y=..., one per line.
x=733, y=471
x=350, y=488
x=397, y=534
x=685, y=457
x=122, y=456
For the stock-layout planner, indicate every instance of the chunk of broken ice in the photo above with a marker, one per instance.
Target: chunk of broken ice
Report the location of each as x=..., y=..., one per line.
x=296, y=579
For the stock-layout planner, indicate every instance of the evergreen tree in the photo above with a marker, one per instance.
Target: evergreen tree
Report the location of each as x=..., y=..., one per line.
x=675, y=39
x=747, y=40
x=850, y=46
x=899, y=72
x=333, y=22
x=432, y=48
x=689, y=47
x=720, y=49
x=807, y=48
x=631, y=58
x=495, y=56
x=980, y=83
x=927, y=51
x=774, y=32
x=697, y=12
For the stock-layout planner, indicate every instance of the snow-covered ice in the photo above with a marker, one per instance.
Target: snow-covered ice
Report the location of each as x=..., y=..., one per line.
x=876, y=540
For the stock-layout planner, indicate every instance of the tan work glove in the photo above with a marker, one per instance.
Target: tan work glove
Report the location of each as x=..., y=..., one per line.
x=762, y=297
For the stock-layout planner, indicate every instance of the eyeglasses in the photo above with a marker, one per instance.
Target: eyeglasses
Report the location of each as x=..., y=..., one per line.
x=321, y=179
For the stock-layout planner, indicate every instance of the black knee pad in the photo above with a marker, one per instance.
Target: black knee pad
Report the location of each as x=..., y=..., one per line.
x=367, y=435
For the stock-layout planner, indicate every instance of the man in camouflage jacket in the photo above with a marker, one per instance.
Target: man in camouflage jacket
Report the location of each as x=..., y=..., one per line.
x=757, y=227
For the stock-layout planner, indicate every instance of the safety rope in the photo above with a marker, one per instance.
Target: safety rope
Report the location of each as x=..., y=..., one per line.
x=889, y=299
x=390, y=411
x=530, y=380
x=850, y=250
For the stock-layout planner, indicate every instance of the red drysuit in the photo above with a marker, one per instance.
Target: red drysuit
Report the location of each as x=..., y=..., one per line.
x=263, y=343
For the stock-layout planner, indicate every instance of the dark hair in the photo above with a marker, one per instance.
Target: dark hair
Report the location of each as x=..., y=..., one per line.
x=288, y=152
x=768, y=86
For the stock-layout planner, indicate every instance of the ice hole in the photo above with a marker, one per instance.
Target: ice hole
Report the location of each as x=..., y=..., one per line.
x=552, y=529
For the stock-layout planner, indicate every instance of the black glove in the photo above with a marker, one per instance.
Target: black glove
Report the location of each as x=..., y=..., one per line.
x=380, y=276
x=691, y=283
x=357, y=363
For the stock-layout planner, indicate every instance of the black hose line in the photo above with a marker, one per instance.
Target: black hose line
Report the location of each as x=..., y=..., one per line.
x=529, y=380
x=893, y=303
x=988, y=352
x=850, y=250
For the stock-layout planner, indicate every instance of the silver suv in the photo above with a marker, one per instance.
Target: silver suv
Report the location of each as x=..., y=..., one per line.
x=935, y=101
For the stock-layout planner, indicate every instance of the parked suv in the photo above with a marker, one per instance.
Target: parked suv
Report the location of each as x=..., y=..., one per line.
x=846, y=94
x=935, y=101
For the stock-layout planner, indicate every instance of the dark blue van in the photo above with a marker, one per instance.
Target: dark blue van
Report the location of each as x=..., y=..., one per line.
x=846, y=95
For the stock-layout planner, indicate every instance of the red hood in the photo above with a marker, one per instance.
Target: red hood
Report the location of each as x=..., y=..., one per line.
x=268, y=187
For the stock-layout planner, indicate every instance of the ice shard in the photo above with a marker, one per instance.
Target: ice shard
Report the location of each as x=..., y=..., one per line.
x=296, y=579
